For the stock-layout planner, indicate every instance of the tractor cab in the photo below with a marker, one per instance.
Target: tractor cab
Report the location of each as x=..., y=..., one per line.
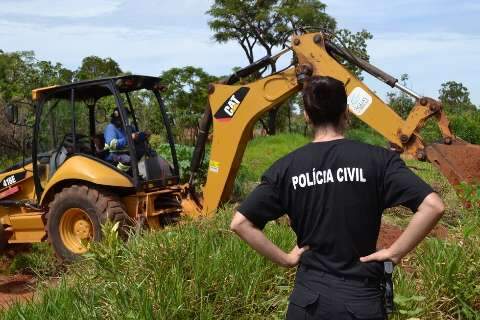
x=71, y=121
x=84, y=135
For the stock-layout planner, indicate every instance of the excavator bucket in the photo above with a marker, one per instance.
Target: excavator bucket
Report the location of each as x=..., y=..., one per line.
x=458, y=161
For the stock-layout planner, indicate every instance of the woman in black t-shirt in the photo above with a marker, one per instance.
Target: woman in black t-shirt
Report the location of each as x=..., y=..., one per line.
x=334, y=191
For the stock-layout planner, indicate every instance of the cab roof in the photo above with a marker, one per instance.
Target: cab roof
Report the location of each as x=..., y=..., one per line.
x=98, y=88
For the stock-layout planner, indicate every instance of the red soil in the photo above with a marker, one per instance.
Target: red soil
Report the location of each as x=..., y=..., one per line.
x=15, y=289
x=389, y=233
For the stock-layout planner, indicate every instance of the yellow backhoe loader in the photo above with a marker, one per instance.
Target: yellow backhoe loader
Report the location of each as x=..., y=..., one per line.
x=66, y=191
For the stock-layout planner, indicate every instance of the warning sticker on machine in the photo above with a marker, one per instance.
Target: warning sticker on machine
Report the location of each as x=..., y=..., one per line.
x=358, y=101
x=214, y=166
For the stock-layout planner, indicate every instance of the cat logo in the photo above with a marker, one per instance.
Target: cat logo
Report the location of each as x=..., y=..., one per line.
x=231, y=105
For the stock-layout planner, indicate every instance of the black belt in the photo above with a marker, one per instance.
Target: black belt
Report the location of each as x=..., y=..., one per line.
x=348, y=278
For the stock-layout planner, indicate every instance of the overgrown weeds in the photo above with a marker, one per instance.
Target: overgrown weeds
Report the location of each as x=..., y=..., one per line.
x=197, y=270
x=200, y=270
x=39, y=261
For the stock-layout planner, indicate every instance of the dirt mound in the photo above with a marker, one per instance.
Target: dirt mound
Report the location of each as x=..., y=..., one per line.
x=388, y=234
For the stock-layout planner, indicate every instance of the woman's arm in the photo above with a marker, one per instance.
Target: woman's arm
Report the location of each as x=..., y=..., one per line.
x=426, y=217
x=256, y=239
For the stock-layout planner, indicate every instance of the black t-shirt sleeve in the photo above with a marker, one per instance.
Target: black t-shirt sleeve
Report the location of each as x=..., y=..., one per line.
x=263, y=204
x=401, y=186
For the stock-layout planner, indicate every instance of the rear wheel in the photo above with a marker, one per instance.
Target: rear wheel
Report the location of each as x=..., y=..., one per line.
x=76, y=216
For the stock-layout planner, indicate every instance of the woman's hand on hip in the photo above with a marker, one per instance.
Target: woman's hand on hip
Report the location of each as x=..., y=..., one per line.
x=293, y=258
x=381, y=255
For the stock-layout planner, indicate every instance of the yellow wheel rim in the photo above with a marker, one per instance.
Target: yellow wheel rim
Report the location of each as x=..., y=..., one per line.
x=76, y=230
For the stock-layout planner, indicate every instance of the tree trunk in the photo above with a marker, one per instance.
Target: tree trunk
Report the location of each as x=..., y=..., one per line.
x=272, y=122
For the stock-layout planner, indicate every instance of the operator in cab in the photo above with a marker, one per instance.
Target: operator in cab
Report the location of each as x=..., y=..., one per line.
x=116, y=142
x=334, y=191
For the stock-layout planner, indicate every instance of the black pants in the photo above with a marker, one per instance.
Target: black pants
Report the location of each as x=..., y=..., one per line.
x=318, y=295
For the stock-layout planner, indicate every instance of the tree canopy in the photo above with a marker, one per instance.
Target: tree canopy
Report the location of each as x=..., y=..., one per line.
x=254, y=23
x=186, y=94
x=455, y=97
x=94, y=67
x=266, y=24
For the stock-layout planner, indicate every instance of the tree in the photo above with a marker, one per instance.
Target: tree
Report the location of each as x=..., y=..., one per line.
x=20, y=73
x=401, y=102
x=455, y=97
x=48, y=74
x=94, y=67
x=185, y=98
x=266, y=24
x=16, y=68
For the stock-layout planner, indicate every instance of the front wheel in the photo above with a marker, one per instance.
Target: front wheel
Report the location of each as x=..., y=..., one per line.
x=76, y=216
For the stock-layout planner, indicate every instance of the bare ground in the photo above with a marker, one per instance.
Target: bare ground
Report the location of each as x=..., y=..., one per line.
x=16, y=288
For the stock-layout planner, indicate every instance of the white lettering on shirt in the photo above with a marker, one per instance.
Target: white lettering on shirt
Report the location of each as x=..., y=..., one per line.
x=318, y=177
x=295, y=182
x=340, y=175
x=302, y=180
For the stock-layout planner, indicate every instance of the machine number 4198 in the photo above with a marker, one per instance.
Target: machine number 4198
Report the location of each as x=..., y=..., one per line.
x=14, y=178
x=9, y=181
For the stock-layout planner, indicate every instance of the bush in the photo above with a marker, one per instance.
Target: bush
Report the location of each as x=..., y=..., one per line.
x=6, y=162
x=466, y=126
x=184, y=157
x=39, y=261
x=156, y=141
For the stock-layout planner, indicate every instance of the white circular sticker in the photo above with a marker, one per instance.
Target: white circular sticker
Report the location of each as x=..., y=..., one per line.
x=358, y=101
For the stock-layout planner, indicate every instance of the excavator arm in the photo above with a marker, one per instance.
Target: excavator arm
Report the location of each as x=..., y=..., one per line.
x=234, y=109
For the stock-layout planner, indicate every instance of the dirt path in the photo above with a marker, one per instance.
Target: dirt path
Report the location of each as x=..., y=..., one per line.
x=16, y=288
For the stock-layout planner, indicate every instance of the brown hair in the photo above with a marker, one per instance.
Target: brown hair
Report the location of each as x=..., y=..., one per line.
x=325, y=101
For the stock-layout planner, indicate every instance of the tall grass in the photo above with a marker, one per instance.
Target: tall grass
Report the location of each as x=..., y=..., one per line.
x=200, y=270
x=197, y=270
x=444, y=280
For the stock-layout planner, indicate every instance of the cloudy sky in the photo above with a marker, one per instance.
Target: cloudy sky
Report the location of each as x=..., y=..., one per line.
x=433, y=41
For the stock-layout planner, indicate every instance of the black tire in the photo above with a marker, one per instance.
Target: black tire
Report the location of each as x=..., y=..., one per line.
x=85, y=202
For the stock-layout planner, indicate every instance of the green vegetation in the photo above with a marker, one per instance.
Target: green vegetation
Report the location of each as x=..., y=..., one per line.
x=261, y=27
x=367, y=135
x=184, y=157
x=445, y=281
x=199, y=269
x=262, y=152
x=40, y=260
x=196, y=270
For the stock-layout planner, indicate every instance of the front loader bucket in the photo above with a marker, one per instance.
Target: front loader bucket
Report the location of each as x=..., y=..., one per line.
x=458, y=161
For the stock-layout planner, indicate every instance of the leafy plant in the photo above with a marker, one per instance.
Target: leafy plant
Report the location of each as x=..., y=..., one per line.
x=184, y=157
